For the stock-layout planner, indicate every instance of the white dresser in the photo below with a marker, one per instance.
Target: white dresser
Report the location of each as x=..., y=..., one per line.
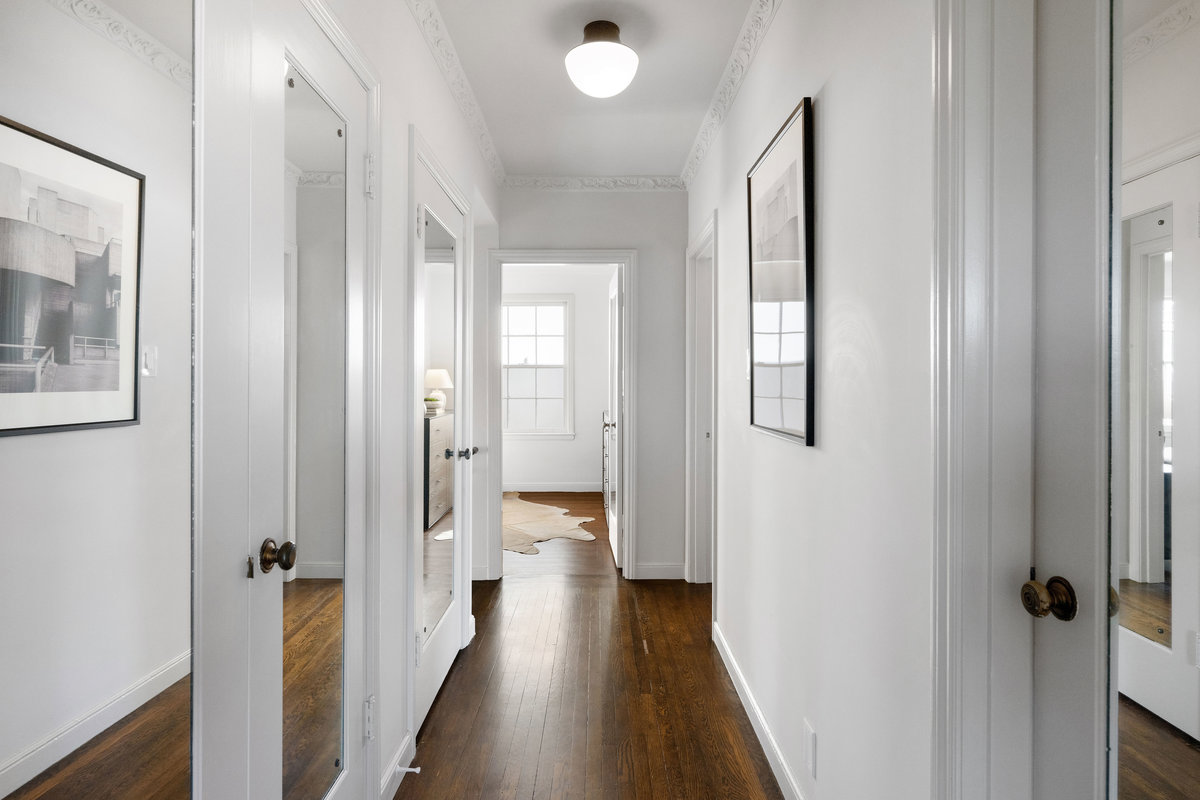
x=439, y=470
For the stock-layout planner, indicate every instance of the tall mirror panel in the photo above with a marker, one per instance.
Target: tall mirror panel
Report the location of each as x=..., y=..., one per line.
x=95, y=311
x=315, y=392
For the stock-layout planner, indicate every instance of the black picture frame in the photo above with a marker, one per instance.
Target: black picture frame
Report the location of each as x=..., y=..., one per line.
x=782, y=279
x=71, y=239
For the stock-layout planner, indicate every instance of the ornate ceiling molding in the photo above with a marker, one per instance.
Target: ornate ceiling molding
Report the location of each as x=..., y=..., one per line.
x=1157, y=32
x=291, y=173
x=754, y=29
x=323, y=180
x=102, y=20
x=433, y=27
x=655, y=183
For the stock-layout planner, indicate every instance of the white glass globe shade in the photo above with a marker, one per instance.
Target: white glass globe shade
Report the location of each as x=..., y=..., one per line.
x=601, y=69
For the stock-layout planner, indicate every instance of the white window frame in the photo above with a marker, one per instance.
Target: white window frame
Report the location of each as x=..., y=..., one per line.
x=568, y=303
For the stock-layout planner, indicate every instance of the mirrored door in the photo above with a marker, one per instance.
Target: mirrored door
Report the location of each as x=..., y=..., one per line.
x=441, y=525
x=315, y=392
x=95, y=554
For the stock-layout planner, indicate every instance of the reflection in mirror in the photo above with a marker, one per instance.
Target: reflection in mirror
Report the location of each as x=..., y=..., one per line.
x=315, y=392
x=439, y=407
x=1150, y=325
x=95, y=557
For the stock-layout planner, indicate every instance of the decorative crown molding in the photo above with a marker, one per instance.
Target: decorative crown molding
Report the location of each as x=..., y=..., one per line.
x=323, y=180
x=102, y=20
x=291, y=173
x=1160, y=30
x=754, y=29
x=433, y=27
x=632, y=183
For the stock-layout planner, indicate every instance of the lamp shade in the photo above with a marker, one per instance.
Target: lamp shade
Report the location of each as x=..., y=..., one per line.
x=601, y=66
x=437, y=379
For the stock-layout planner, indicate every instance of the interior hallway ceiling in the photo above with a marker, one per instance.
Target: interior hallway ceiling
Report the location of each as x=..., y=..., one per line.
x=512, y=55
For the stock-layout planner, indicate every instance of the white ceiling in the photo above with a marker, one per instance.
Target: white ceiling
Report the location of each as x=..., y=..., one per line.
x=512, y=53
x=1137, y=13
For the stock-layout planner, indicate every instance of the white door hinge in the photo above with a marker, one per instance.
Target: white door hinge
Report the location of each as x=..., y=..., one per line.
x=369, y=181
x=418, y=650
x=369, y=718
x=420, y=227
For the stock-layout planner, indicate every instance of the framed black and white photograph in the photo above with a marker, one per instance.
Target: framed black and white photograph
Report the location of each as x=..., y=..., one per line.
x=782, y=313
x=70, y=249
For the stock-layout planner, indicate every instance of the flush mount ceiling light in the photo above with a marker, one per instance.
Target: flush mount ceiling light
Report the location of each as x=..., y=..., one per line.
x=601, y=66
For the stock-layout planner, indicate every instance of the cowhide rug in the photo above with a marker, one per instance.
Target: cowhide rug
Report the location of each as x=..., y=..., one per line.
x=526, y=523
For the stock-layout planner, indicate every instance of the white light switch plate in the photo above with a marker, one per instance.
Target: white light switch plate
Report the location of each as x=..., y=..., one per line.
x=810, y=738
x=149, y=362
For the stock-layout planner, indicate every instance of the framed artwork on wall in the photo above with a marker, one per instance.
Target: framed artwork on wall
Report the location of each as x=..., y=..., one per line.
x=70, y=263
x=782, y=309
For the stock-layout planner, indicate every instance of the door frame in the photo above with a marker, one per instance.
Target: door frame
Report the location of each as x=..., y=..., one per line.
x=700, y=561
x=996, y=154
x=626, y=262
x=229, y=239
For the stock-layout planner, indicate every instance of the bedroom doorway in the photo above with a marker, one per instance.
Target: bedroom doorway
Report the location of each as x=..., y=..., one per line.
x=562, y=397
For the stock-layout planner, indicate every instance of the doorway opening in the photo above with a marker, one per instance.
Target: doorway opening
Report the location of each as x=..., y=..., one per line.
x=561, y=402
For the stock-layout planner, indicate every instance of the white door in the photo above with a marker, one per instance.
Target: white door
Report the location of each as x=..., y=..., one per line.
x=440, y=538
x=1157, y=657
x=253, y=726
x=616, y=424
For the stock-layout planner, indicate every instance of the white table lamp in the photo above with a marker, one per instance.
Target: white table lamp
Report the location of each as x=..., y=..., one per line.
x=435, y=381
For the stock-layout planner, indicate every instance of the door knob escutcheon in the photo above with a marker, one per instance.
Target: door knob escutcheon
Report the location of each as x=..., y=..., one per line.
x=1056, y=597
x=271, y=554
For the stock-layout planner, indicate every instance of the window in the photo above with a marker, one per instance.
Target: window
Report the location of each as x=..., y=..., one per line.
x=535, y=354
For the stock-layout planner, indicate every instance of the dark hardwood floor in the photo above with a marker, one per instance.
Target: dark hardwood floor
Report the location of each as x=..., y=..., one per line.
x=1156, y=761
x=581, y=684
x=1146, y=609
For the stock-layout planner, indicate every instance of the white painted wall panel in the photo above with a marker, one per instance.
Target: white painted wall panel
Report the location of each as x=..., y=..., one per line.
x=569, y=465
x=823, y=554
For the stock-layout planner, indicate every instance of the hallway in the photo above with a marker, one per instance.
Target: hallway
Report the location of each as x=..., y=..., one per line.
x=587, y=685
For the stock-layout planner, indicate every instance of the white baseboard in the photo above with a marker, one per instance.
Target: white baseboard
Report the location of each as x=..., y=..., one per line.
x=403, y=757
x=553, y=487
x=26, y=765
x=320, y=569
x=648, y=572
x=779, y=765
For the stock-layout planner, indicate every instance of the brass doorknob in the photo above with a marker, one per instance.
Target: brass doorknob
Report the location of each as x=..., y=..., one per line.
x=1056, y=597
x=269, y=555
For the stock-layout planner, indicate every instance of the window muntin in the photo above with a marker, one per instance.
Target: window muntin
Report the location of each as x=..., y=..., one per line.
x=535, y=366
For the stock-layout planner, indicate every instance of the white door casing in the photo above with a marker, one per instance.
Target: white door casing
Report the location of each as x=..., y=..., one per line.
x=1022, y=198
x=614, y=496
x=239, y=424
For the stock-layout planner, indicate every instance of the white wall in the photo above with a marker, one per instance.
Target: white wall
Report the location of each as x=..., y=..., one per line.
x=95, y=543
x=823, y=554
x=557, y=464
x=321, y=385
x=653, y=224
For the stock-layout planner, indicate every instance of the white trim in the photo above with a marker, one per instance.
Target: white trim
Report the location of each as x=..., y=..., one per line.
x=42, y=755
x=433, y=28
x=754, y=30
x=389, y=781
x=1166, y=156
x=694, y=553
x=119, y=31
x=539, y=437
x=1160, y=30
x=653, y=570
x=779, y=765
x=626, y=263
x=553, y=487
x=616, y=183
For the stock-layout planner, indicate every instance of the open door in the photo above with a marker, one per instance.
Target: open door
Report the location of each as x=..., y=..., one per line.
x=279, y=667
x=614, y=425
